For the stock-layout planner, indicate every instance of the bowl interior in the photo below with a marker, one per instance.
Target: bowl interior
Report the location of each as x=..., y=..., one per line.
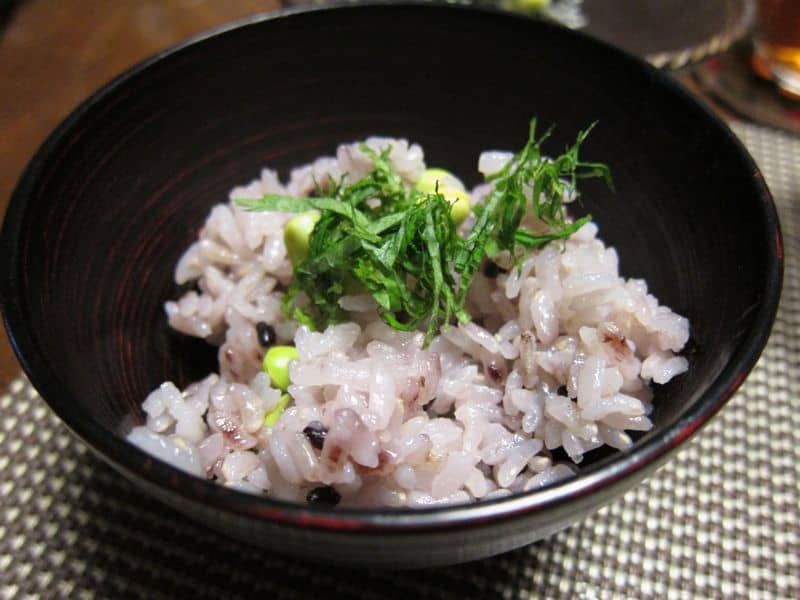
x=119, y=192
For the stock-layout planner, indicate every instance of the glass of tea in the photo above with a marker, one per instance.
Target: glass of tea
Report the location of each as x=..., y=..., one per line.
x=776, y=54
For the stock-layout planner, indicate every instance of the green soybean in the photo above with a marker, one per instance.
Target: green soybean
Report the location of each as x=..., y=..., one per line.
x=435, y=177
x=272, y=416
x=297, y=233
x=449, y=186
x=459, y=203
x=276, y=365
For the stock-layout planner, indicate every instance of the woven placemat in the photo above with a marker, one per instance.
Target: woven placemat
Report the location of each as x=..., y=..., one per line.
x=721, y=520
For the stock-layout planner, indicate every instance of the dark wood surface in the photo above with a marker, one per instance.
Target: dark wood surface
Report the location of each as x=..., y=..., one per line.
x=53, y=54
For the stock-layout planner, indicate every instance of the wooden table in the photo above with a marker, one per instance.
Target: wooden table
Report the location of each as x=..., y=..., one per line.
x=53, y=54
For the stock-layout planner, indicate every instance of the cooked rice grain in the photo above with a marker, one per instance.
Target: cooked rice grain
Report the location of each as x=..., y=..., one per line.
x=561, y=354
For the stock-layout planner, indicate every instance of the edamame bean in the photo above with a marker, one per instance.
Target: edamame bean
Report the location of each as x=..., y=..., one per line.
x=297, y=233
x=459, y=203
x=272, y=416
x=432, y=177
x=449, y=186
x=531, y=5
x=276, y=364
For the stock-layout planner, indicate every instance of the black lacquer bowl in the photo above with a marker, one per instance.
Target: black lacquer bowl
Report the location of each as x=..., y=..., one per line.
x=113, y=197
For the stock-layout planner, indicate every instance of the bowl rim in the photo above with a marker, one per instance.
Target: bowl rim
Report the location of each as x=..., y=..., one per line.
x=619, y=466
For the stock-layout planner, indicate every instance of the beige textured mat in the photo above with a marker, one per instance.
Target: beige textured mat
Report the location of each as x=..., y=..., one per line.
x=721, y=520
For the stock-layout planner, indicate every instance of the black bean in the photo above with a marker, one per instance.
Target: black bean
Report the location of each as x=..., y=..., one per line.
x=491, y=269
x=562, y=391
x=323, y=496
x=265, y=333
x=316, y=432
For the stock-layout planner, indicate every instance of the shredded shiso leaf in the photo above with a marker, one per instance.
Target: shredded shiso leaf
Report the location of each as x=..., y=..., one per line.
x=401, y=246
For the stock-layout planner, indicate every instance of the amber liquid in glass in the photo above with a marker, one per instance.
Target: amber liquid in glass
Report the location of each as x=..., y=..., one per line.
x=777, y=44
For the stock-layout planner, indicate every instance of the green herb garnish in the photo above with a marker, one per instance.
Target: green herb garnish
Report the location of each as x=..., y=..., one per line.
x=402, y=248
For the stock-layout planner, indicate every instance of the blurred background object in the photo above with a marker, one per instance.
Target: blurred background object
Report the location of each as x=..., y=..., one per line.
x=759, y=78
x=668, y=33
x=776, y=46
